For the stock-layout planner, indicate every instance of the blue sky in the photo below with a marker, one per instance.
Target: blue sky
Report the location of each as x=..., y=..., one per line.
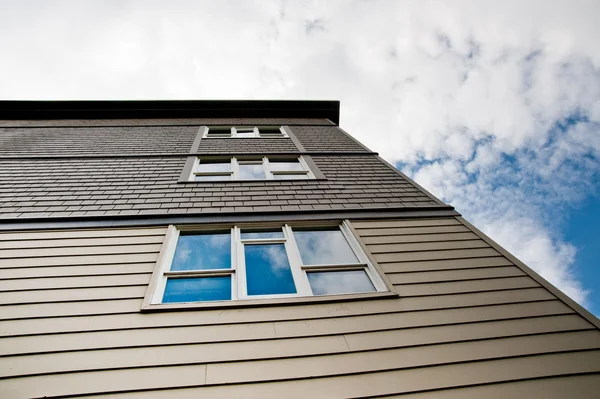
x=492, y=106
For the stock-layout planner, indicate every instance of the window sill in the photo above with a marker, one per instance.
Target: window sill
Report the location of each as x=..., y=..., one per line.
x=245, y=138
x=165, y=307
x=250, y=181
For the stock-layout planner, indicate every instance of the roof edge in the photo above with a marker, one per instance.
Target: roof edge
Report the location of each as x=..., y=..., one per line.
x=31, y=110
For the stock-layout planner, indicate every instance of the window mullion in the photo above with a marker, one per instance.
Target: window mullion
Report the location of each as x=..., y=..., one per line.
x=235, y=167
x=194, y=169
x=300, y=278
x=233, y=132
x=267, y=166
x=256, y=132
x=240, y=264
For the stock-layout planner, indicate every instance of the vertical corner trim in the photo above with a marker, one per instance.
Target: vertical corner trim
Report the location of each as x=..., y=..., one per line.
x=187, y=170
x=199, y=134
x=314, y=168
x=294, y=139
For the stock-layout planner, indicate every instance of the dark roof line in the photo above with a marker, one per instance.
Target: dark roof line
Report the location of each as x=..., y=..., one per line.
x=170, y=109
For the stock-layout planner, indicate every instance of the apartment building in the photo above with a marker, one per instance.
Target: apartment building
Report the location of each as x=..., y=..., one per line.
x=185, y=249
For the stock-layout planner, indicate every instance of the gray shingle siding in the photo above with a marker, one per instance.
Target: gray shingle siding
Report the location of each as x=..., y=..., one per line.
x=325, y=138
x=139, y=184
x=122, y=186
x=91, y=141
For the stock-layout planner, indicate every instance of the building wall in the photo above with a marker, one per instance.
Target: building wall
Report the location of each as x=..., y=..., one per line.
x=468, y=322
x=82, y=170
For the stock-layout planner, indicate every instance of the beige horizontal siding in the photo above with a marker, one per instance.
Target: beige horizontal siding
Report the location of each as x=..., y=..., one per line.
x=268, y=370
x=466, y=315
x=84, y=270
x=52, y=309
x=81, y=233
x=452, y=275
x=397, y=238
x=444, y=264
x=560, y=387
x=573, y=386
x=148, y=336
x=75, y=294
x=71, y=251
x=405, y=223
x=412, y=231
x=426, y=246
x=90, y=308
x=83, y=242
x=433, y=255
x=293, y=323
x=454, y=287
x=78, y=260
x=73, y=282
x=66, y=354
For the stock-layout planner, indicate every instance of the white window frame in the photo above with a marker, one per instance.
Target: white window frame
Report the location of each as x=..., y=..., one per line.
x=262, y=160
x=238, y=268
x=235, y=130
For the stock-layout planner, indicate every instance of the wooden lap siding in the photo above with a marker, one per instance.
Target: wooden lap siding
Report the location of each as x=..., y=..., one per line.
x=468, y=323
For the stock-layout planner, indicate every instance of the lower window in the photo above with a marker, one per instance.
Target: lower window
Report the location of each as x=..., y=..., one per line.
x=242, y=263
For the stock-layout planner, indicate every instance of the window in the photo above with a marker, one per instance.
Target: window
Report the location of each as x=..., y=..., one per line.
x=244, y=132
x=250, y=168
x=242, y=263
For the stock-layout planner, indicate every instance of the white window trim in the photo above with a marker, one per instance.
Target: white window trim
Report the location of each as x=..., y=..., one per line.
x=234, y=133
x=264, y=160
x=238, y=272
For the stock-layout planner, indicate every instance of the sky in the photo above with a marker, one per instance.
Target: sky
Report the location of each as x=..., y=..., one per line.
x=492, y=106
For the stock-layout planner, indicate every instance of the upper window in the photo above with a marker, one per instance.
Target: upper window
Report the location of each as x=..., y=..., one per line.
x=248, y=263
x=250, y=168
x=244, y=132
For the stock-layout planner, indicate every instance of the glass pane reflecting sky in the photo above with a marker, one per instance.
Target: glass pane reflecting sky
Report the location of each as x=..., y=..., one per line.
x=287, y=165
x=247, y=235
x=198, y=289
x=202, y=251
x=214, y=166
x=268, y=270
x=251, y=172
x=342, y=282
x=324, y=247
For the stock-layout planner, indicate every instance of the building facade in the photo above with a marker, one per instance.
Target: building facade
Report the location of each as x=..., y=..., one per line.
x=228, y=249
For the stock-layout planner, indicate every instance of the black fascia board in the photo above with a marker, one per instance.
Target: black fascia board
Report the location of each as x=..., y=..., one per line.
x=30, y=110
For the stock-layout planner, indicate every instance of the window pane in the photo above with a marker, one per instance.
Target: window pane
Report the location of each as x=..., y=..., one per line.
x=202, y=251
x=268, y=270
x=198, y=289
x=290, y=177
x=220, y=131
x=342, y=282
x=251, y=235
x=324, y=247
x=212, y=178
x=208, y=167
x=285, y=165
x=270, y=131
x=252, y=172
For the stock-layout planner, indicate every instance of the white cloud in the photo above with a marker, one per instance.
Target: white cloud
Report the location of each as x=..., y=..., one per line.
x=465, y=94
